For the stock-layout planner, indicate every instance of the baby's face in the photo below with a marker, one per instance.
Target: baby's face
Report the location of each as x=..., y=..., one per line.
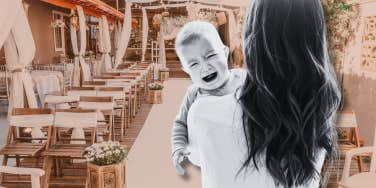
x=205, y=62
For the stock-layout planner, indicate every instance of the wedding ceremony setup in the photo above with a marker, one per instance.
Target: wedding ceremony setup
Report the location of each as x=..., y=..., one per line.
x=90, y=89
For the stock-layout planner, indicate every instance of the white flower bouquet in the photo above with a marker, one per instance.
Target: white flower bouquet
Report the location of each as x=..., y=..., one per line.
x=155, y=86
x=105, y=153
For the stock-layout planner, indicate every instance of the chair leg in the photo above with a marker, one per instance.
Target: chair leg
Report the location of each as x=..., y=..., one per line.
x=59, y=170
x=360, y=163
x=5, y=163
x=47, y=165
x=18, y=162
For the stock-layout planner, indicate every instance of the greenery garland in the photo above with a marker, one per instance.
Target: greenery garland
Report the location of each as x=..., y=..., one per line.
x=341, y=17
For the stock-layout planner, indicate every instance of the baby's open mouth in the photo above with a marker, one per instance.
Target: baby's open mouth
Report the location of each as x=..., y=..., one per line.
x=210, y=77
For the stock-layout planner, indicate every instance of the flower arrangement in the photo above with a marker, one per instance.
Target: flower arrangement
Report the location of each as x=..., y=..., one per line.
x=339, y=15
x=341, y=134
x=58, y=23
x=164, y=69
x=105, y=153
x=155, y=86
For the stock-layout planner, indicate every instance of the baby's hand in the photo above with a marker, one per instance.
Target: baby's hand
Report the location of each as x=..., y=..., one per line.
x=178, y=157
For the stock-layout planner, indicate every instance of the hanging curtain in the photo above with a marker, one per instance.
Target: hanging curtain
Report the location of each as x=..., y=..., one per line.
x=19, y=51
x=193, y=11
x=82, y=22
x=162, y=49
x=171, y=26
x=145, y=31
x=233, y=31
x=125, y=35
x=106, y=58
x=117, y=31
x=76, y=69
x=8, y=15
x=98, y=64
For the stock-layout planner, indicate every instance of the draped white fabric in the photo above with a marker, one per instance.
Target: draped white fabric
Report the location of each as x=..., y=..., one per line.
x=125, y=35
x=193, y=11
x=233, y=31
x=8, y=15
x=162, y=49
x=82, y=22
x=76, y=69
x=79, y=60
x=19, y=51
x=171, y=26
x=145, y=31
x=117, y=32
x=106, y=45
x=98, y=64
x=77, y=121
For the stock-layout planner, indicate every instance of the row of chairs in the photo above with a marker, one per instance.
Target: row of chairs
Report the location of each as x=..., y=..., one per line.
x=59, y=140
x=109, y=102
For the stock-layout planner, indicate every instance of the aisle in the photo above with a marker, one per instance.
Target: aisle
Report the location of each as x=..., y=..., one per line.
x=149, y=161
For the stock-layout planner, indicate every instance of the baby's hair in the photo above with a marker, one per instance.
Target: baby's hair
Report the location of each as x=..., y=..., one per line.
x=196, y=30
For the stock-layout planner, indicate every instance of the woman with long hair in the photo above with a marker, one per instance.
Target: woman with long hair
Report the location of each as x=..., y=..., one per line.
x=277, y=127
x=290, y=95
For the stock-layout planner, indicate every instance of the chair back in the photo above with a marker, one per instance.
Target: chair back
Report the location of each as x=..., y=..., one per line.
x=98, y=103
x=26, y=124
x=74, y=118
x=78, y=120
x=31, y=117
x=93, y=83
x=346, y=119
x=117, y=93
x=111, y=74
x=82, y=91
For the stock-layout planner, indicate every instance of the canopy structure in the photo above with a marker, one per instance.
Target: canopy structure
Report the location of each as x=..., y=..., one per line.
x=193, y=8
x=95, y=8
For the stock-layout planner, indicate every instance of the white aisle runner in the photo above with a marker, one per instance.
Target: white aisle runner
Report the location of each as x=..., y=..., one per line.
x=149, y=161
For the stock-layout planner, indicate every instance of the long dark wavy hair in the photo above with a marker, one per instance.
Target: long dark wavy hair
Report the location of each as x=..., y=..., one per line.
x=290, y=95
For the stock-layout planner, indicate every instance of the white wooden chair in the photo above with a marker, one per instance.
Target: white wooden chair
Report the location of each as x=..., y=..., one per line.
x=35, y=173
x=347, y=121
x=62, y=145
x=104, y=107
x=82, y=91
x=121, y=110
x=363, y=179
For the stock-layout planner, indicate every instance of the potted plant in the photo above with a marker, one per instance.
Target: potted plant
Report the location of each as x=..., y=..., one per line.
x=163, y=74
x=105, y=165
x=133, y=56
x=155, y=93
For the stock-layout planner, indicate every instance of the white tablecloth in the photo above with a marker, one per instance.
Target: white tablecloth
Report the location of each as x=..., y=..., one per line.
x=47, y=82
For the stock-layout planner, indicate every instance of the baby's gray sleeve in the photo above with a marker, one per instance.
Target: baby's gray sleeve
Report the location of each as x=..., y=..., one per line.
x=179, y=138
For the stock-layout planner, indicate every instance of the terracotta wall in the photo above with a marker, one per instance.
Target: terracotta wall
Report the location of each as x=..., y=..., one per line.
x=359, y=81
x=40, y=18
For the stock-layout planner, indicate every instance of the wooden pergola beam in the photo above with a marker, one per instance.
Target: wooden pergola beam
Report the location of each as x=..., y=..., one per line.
x=95, y=8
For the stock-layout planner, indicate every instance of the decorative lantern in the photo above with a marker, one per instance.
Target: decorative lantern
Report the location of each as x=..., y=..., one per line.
x=134, y=23
x=165, y=13
x=74, y=21
x=157, y=19
x=111, y=26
